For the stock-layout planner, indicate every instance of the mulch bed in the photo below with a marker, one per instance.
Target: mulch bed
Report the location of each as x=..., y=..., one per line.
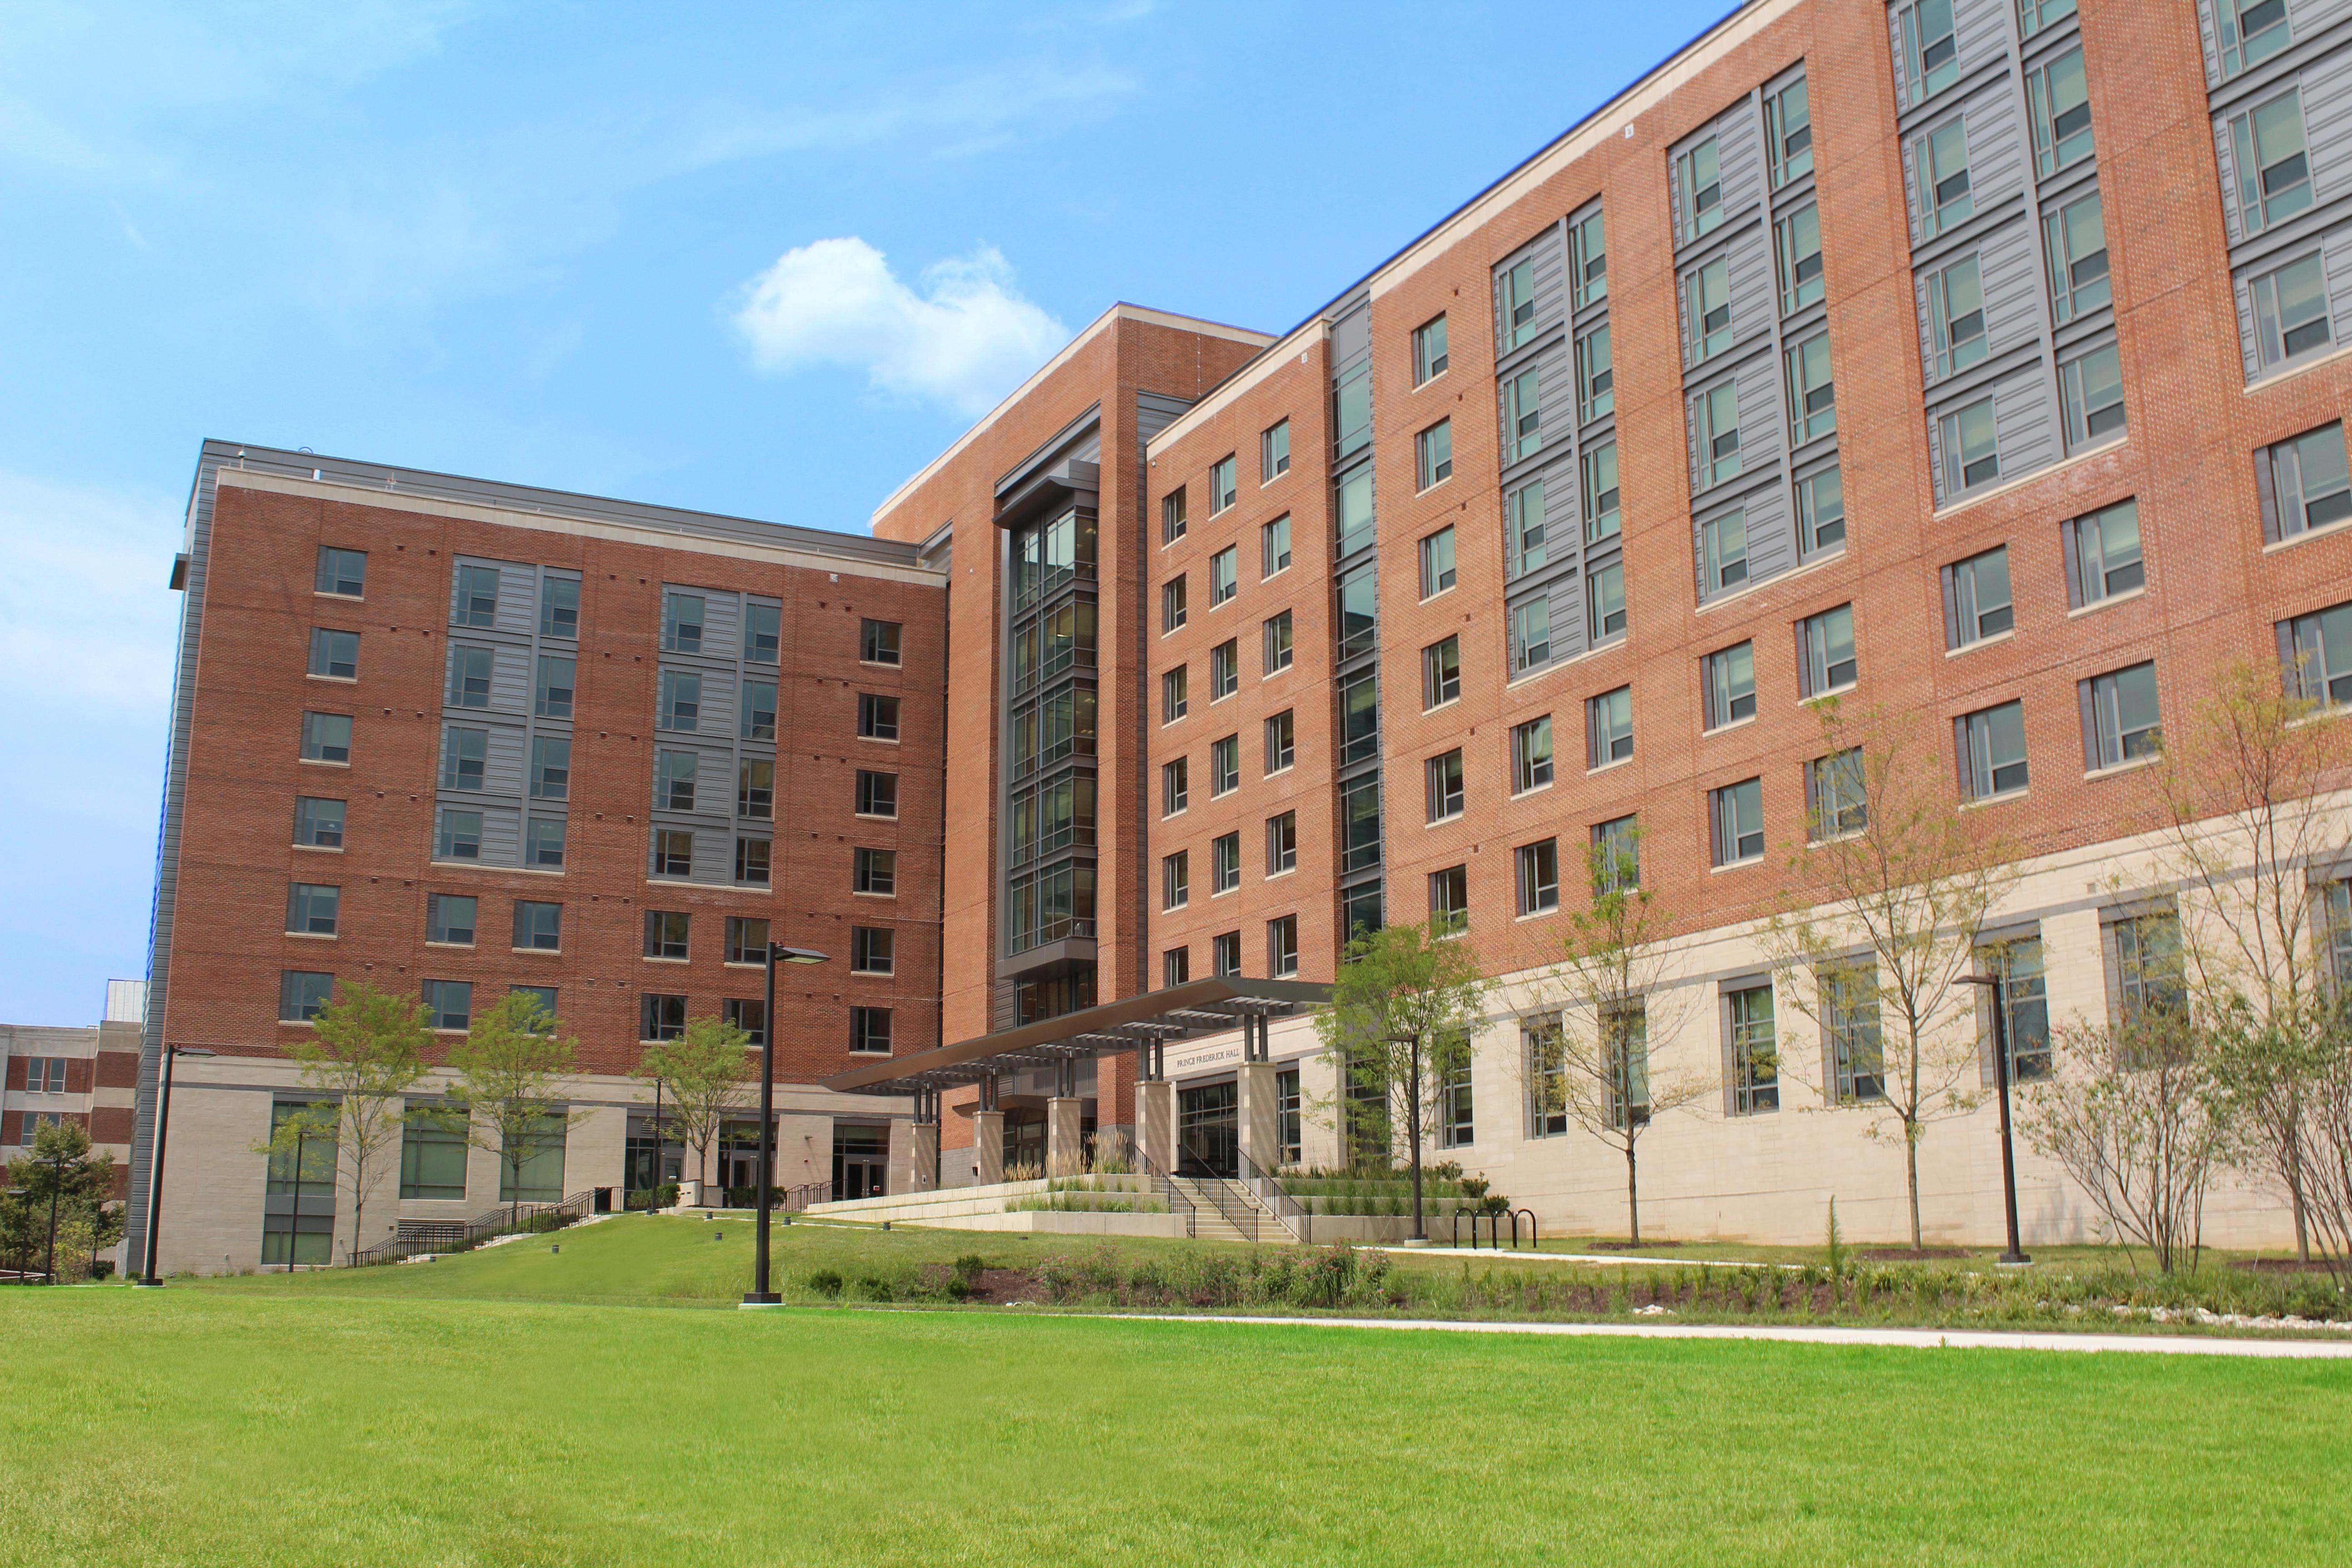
x=1632, y=1246
x=1911, y=1255
x=2285, y=1265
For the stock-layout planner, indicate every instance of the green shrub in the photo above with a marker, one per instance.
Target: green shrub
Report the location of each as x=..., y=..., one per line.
x=874, y=1288
x=825, y=1282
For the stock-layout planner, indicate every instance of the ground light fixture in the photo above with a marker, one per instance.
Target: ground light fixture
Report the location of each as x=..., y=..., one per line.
x=761, y=1295
x=155, y=1158
x=2000, y=1077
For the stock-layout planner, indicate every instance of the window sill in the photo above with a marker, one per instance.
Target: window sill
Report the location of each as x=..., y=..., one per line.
x=331, y=679
x=2325, y=531
x=2008, y=486
x=1607, y=767
x=1434, y=380
x=1729, y=725
x=319, y=849
x=1172, y=815
x=867, y=893
x=1446, y=821
x=2008, y=794
x=1277, y=773
x=541, y=951
x=1432, y=598
x=872, y=973
x=1734, y=865
x=320, y=763
x=299, y=1022
x=2096, y=605
x=752, y=964
x=2285, y=370
x=339, y=598
x=1224, y=892
x=1270, y=480
x=859, y=1053
x=1537, y=915
x=1835, y=838
x=1432, y=485
x=861, y=816
x=1228, y=697
x=1278, y=669
x=649, y=958
x=1441, y=707
x=1980, y=642
x=503, y=870
x=459, y=946
x=878, y=740
x=1538, y=789
x=876, y=663
x=2134, y=765
x=330, y=936
x=1825, y=695
x=460, y=1034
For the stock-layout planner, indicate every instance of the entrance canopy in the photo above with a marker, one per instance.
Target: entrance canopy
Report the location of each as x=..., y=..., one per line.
x=1142, y=1023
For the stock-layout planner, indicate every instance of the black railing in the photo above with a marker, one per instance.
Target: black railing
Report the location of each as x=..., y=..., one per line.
x=417, y=1237
x=1178, y=1204
x=1295, y=1216
x=1239, y=1212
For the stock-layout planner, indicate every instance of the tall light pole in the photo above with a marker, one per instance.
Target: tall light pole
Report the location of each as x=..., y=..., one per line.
x=761, y=1295
x=155, y=1158
x=2001, y=1079
x=1412, y=1126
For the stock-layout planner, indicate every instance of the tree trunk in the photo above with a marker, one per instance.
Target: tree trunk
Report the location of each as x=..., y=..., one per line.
x=1413, y=1111
x=2294, y=1184
x=1633, y=1196
x=1911, y=1173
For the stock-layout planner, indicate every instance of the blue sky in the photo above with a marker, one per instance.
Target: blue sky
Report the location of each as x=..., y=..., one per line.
x=763, y=259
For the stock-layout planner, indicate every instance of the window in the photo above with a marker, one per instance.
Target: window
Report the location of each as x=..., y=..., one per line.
x=1723, y=552
x=432, y=1159
x=878, y=793
x=1531, y=636
x=1605, y=602
x=1538, y=877
x=542, y=842
x=2076, y=238
x=1524, y=522
x=1587, y=244
x=681, y=701
x=872, y=949
x=2120, y=717
x=1615, y=855
x=747, y=940
x=301, y=993
x=1352, y=400
x=755, y=790
x=1599, y=466
x=877, y=717
x=477, y=597
x=877, y=642
x=1363, y=908
x=1359, y=717
x=1175, y=966
x=1698, y=190
x=673, y=780
x=750, y=1016
x=1547, y=1058
x=1849, y=1003
x=449, y=1002
x=1225, y=669
x=681, y=622
x=2092, y=386
x=1717, y=411
x=465, y=754
x=2291, y=310
x=1955, y=319
x=1707, y=301
x=1176, y=880
x=561, y=607
x=1274, y=452
x=1433, y=454
x=334, y=655
x=458, y=836
x=342, y=572
x=869, y=1030
x=1440, y=673
x=1943, y=164
x=1281, y=844
x=1828, y=640
x=1992, y=750
x=1224, y=863
x=668, y=932
x=1444, y=777
x=1596, y=377
x=1730, y=679
x=1531, y=755
x=470, y=677
x=556, y=676
x=1224, y=765
x=1796, y=241
x=1517, y=301
x=1738, y=814
x=539, y=999
x=1428, y=351
x=1173, y=701
x=1971, y=448
x=1224, y=575
x=762, y=632
x=537, y=927
x=2317, y=650
x=1976, y=597
x=1812, y=394
x=2032, y=15
x=1437, y=559
x=1449, y=901
x=2302, y=482
x=1755, y=1053
x=752, y=861
x=1820, y=512
x=1836, y=796
x=1226, y=954
x=1788, y=135
x=1360, y=822
x=660, y=1017
x=1172, y=516
x=1276, y=637
x=551, y=768
x=2060, y=103
x=1274, y=547
x=450, y=918
x=1282, y=947
x=531, y=1165
x=2149, y=975
x=673, y=853
x=2251, y=31
x=318, y=823
x=1931, y=54
x=2273, y=161
x=1355, y=507
x=1223, y=485
x=875, y=871
x=311, y=909
x=1522, y=416
x=1457, y=1124
x=1281, y=741
x=2103, y=558
x=1175, y=785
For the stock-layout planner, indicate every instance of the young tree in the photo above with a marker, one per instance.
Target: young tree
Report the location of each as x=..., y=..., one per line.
x=364, y=1053
x=1895, y=883
x=1597, y=1008
x=1403, y=1007
x=62, y=1179
x=509, y=1068
x=703, y=1077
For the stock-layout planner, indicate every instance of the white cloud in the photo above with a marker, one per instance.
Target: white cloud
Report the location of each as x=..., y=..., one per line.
x=87, y=623
x=965, y=340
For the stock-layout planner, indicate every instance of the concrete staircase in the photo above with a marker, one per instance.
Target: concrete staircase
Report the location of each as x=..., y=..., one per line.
x=1211, y=1222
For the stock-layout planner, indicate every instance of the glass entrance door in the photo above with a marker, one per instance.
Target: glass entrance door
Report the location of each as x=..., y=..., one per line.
x=861, y=1162
x=1208, y=1130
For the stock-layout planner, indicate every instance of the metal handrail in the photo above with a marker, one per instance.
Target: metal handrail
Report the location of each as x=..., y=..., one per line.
x=1239, y=1212
x=1163, y=1184
x=1293, y=1215
x=459, y=1234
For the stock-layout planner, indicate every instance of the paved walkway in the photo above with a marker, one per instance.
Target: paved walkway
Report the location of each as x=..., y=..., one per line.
x=1917, y=1339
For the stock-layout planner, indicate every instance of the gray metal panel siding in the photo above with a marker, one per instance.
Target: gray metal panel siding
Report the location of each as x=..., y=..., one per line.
x=1772, y=534
x=2025, y=421
x=1568, y=638
x=2231, y=218
x=1894, y=59
x=501, y=830
x=2212, y=42
x=1351, y=335
x=1762, y=423
x=1154, y=412
x=2012, y=288
x=2242, y=295
x=502, y=771
x=511, y=674
x=714, y=855
x=722, y=623
x=2327, y=121
x=1740, y=154
x=1980, y=29
x=1911, y=180
x=1936, y=456
x=1754, y=299
x=518, y=597
x=1996, y=145
x=1563, y=511
x=2338, y=262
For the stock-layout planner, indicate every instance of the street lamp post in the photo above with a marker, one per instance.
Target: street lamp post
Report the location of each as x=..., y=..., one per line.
x=155, y=1175
x=2015, y=1254
x=761, y=1295
x=653, y=1178
x=56, y=1182
x=1412, y=1126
